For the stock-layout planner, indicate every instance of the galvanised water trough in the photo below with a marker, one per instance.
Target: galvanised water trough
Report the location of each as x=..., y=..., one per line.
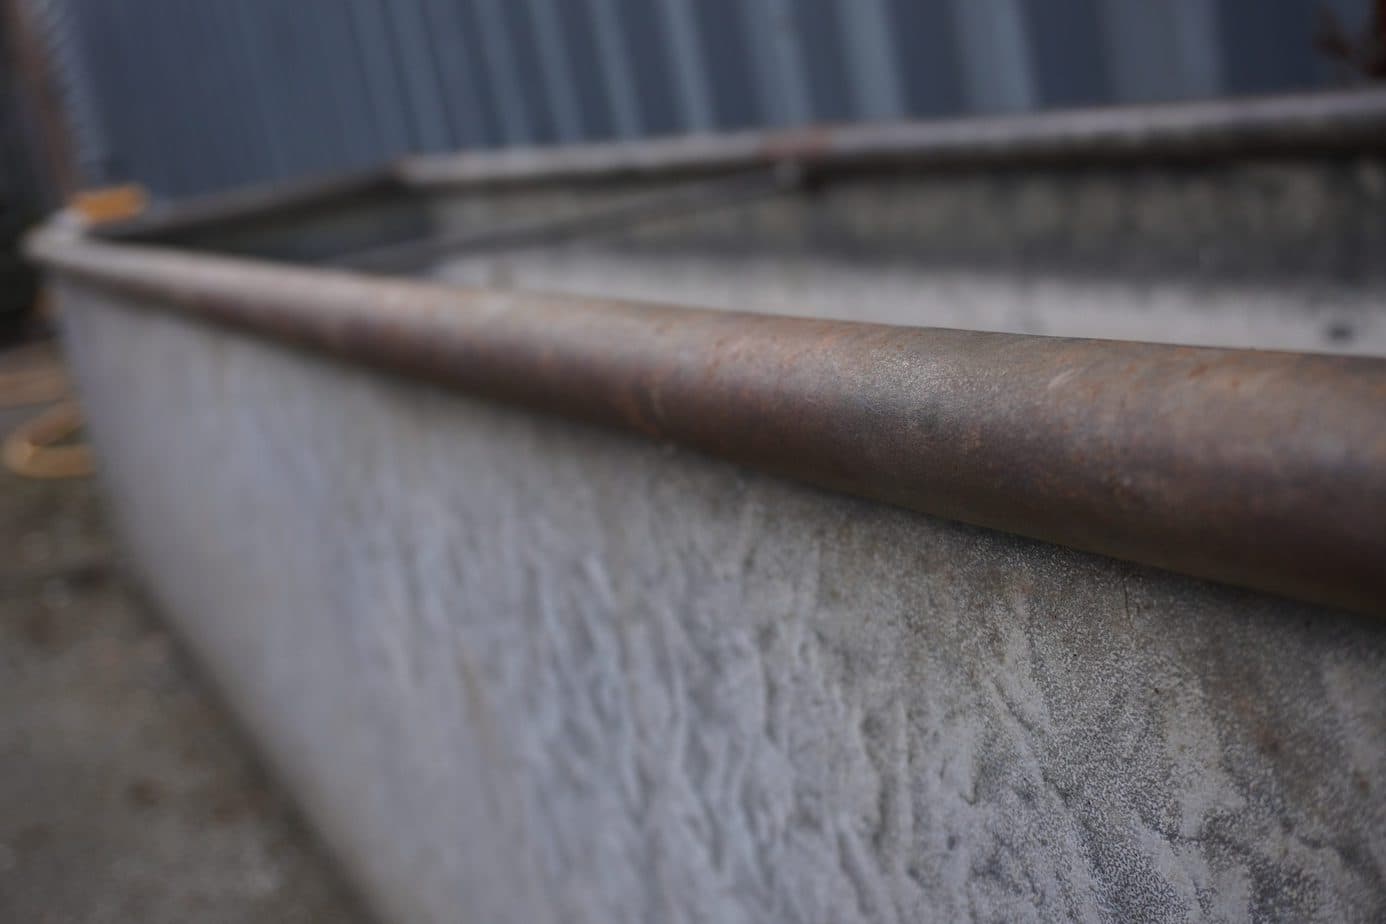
x=979, y=520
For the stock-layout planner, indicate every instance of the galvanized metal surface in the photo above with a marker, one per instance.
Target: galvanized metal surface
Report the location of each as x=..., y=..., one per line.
x=190, y=99
x=1261, y=469
x=544, y=670
x=534, y=671
x=676, y=202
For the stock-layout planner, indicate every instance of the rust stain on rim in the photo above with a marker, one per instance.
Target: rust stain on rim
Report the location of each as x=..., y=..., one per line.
x=1261, y=469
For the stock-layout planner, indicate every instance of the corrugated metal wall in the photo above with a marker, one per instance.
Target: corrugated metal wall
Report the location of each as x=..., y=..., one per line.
x=189, y=97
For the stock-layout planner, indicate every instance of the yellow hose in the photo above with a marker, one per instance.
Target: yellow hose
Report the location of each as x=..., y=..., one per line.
x=29, y=449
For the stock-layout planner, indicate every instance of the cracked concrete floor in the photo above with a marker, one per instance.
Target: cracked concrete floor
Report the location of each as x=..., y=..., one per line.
x=126, y=794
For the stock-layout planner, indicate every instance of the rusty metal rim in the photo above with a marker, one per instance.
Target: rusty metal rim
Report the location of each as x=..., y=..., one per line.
x=1343, y=121
x=1261, y=469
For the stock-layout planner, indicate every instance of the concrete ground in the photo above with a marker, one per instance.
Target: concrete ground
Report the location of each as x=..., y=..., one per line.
x=126, y=794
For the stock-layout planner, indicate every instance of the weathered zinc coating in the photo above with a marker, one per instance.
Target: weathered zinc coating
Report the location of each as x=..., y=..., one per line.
x=520, y=667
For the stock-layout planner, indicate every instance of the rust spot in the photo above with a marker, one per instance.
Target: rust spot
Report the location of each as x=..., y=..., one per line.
x=798, y=145
x=1267, y=741
x=144, y=794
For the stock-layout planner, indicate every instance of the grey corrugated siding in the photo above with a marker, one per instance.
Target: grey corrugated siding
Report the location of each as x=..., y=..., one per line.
x=189, y=98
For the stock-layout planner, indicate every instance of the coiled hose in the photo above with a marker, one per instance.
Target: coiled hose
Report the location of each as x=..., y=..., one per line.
x=35, y=448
